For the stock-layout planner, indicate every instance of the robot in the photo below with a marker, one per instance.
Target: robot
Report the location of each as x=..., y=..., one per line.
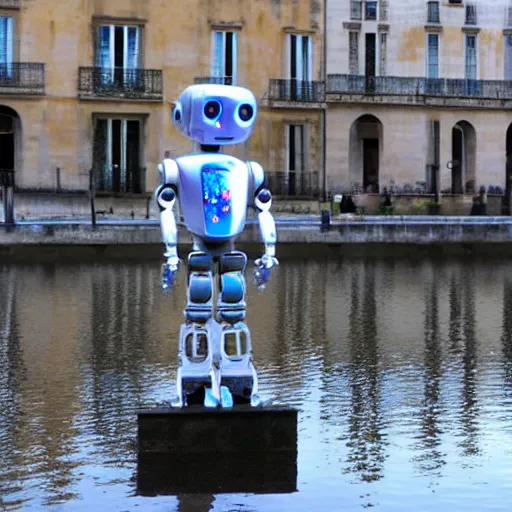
x=213, y=191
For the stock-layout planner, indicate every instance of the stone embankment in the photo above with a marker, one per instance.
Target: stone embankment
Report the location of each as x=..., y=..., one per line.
x=296, y=235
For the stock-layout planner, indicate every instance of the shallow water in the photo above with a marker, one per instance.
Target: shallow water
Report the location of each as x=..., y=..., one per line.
x=401, y=370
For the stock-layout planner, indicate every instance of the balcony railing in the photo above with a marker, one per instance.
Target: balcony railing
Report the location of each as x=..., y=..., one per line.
x=220, y=80
x=120, y=83
x=417, y=86
x=132, y=182
x=293, y=183
x=22, y=78
x=296, y=90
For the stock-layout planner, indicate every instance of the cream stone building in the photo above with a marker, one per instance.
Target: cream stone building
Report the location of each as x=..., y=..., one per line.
x=419, y=95
x=89, y=84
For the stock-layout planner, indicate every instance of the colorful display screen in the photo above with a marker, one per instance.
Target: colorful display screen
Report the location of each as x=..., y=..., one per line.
x=216, y=201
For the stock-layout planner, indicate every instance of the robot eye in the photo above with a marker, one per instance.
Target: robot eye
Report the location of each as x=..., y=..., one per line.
x=212, y=109
x=245, y=112
x=177, y=114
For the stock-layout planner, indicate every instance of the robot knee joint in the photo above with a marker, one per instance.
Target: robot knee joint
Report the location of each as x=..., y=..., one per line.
x=231, y=306
x=200, y=288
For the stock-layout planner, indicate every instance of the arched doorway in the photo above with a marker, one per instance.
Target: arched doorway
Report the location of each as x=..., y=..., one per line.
x=10, y=127
x=364, y=152
x=463, y=158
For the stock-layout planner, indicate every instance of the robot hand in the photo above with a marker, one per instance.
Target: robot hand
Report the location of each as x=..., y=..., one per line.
x=169, y=269
x=264, y=267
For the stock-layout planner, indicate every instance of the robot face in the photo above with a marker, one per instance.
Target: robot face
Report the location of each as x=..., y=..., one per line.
x=215, y=114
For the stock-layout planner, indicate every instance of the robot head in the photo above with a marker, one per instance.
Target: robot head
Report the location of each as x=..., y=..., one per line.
x=215, y=114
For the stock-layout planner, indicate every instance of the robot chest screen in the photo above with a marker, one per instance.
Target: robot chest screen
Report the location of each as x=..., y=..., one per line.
x=217, y=200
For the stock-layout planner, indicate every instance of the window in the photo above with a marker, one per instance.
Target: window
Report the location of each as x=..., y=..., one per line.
x=295, y=142
x=470, y=18
x=117, y=53
x=370, y=10
x=299, y=66
x=6, y=46
x=225, y=56
x=355, y=9
x=470, y=68
x=432, y=55
x=508, y=57
x=300, y=53
x=433, y=12
x=117, y=155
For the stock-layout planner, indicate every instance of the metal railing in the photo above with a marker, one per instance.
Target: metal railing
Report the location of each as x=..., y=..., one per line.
x=22, y=78
x=296, y=90
x=419, y=86
x=219, y=80
x=121, y=82
x=293, y=183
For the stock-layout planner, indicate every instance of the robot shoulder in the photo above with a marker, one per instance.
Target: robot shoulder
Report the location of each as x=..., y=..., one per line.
x=257, y=175
x=169, y=171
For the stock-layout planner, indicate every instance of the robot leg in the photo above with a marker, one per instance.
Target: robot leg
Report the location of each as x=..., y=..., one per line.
x=231, y=305
x=196, y=369
x=237, y=370
x=199, y=307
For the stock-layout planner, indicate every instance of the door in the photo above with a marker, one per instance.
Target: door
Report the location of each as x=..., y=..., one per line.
x=371, y=165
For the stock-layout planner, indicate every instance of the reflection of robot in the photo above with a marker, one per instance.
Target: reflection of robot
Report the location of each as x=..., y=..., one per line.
x=214, y=191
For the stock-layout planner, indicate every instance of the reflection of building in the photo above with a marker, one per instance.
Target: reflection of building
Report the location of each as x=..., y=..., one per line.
x=91, y=84
x=417, y=86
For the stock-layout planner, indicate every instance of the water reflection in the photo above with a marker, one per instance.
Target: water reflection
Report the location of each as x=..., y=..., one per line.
x=365, y=438
x=431, y=458
x=398, y=368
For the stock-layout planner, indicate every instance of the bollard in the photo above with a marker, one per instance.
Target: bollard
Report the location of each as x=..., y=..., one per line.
x=325, y=221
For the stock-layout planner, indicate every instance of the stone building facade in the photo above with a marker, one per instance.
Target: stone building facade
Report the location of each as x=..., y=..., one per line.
x=89, y=84
x=418, y=95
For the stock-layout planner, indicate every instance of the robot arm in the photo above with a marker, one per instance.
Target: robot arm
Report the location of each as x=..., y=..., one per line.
x=262, y=202
x=166, y=195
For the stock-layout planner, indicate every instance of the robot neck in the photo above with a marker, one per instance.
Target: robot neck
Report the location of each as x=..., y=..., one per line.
x=207, y=148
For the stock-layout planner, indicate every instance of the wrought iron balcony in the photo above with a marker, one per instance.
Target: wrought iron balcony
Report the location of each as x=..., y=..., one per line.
x=132, y=181
x=293, y=183
x=417, y=86
x=219, y=80
x=303, y=91
x=22, y=78
x=137, y=84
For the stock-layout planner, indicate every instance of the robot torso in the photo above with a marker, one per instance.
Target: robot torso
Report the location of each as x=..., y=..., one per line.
x=213, y=192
